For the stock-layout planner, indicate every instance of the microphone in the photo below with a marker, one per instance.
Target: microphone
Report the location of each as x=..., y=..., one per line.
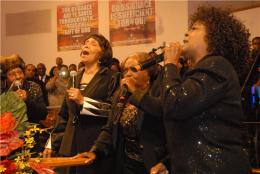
x=18, y=84
x=64, y=73
x=73, y=75
x=148, y=63
x=124, y=94
x=155, y=58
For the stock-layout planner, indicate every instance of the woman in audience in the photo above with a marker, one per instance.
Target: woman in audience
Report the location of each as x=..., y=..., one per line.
x=76, y=132
x=30, y=92
x=57, y=86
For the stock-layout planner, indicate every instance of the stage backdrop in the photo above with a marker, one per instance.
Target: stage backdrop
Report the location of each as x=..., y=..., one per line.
x=75, y=22
x=132, y=22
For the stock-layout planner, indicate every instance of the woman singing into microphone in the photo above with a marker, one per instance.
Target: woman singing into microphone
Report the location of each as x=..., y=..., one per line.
x=95, y=82
x=133, y=136
x=13, y=78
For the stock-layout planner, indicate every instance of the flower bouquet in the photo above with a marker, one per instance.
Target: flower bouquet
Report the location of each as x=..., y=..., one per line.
x=15, y=152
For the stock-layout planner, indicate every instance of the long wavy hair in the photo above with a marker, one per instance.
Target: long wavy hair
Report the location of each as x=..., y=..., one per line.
x=226, y=36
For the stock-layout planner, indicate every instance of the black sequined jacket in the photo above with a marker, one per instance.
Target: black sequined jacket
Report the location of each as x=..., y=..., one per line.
x=202, y=117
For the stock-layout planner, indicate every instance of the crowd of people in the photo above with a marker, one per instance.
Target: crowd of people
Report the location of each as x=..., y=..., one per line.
x=177, y=118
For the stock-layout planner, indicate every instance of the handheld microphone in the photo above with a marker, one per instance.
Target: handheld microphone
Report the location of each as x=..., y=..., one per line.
x=154, y=60
x=73, y=75
x=148, y=63
x=18, y=84
x=124, y=94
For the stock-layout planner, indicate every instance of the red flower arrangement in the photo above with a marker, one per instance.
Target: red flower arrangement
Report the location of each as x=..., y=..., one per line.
x=10, y=141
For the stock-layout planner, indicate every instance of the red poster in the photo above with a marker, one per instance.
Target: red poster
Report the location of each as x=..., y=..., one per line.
x=132, y=22
x=75, y=22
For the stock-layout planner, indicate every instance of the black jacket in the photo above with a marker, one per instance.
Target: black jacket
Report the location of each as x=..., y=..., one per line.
x=202, y=117
x=36, y=108
x=152, y=138
x=75, y=138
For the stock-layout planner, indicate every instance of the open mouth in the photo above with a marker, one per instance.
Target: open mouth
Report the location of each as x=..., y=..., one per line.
x=84, y=53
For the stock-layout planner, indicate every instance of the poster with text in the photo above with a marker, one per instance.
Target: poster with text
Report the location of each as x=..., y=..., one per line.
x=75, y=22
x=132, y=22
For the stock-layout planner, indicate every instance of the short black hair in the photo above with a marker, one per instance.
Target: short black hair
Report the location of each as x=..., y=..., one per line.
x=107, y=55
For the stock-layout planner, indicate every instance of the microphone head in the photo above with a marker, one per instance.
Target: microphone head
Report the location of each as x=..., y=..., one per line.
x=73, y=73
x=17, y=83
x=64, y=73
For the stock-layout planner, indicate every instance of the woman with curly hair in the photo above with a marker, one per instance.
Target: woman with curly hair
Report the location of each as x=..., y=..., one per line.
x=202, y=111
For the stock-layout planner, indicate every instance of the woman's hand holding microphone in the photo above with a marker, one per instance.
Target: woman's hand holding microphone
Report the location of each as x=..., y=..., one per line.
x=75, y=95
x=172, y=53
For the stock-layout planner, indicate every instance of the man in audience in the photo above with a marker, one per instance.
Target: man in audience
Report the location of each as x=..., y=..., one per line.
x=30, y=72
x=41, y=71
x=59, y=62
x=42, y=80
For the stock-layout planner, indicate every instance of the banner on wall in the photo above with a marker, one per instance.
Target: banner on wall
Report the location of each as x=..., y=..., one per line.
x=132, y=22
x=75, y=22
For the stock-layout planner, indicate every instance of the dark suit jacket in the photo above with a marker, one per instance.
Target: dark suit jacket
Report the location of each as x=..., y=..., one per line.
x=202, y=116
x=75, y=138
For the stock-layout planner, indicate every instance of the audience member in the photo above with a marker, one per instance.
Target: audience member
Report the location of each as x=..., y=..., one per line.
x=54, y=71
x=72, y=67
x=30, y=92
x=56, y=87
x=81, y=65
x=9, y=99
x=59, y=62
x=41, y=72
x=30, y=72
x=31, y=75
x=115, y=65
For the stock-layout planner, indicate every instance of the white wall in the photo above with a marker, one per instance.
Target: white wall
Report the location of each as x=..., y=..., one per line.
x=250, y=18
x=171, y=24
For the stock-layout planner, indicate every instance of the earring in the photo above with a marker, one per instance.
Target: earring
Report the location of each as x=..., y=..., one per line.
x=99, y=61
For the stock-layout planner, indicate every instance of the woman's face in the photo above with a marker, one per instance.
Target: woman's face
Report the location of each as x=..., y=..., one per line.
x=15, y=74
x=91, y=51
x=142, y=77
x=195, y=44
x=56, y=71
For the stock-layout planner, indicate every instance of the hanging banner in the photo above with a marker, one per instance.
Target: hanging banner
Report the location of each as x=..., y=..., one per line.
x=75, y=22
x=132, y=22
